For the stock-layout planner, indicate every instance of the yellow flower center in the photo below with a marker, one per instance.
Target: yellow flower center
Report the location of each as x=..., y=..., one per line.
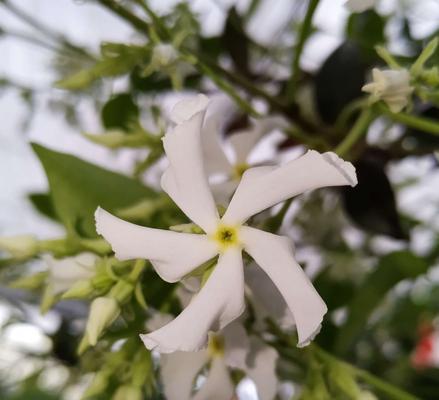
x=226, y=236
x=239, y=169
x=215, y=346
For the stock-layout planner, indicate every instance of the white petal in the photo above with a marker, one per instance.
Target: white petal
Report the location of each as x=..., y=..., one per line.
x=218, y=385
x=173, y=254
x=216, y=116
x=223, y=191
x=219, y=302
x=274, y=255
x=262, y=369
x=185, y=180
x=179, y=370
x=243, y=142
x=236, y=344
x=311, y=171
x=187, y=108
x=266, y=299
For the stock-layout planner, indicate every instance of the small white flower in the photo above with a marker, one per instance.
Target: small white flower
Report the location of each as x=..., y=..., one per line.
x=65, y=272
x=359, y=6
x=103, y=312
x=232, y=349
x=392, y=86
x=20, y=246
x=242, y=142
x=175, y=254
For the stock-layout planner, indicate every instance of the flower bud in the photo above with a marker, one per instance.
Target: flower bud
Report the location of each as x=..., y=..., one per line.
x=21, y=246
x=103, y=312
x=79, y=290
x=391, y=86
x=163, y=55
x=97, y=385
x=128, y=392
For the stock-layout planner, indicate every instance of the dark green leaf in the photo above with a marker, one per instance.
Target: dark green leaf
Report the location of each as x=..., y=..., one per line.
x=119, y=112
x=366, y=29
x=235, y=41
x=78, y=187
x=339, y=81
x=43, y=203
x=391, y=269
x=371, y=204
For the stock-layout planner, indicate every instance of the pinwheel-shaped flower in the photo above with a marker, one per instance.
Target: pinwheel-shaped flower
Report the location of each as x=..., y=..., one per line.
x=174, y=255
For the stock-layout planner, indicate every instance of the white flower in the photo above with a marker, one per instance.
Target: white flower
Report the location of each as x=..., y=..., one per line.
x=175, y=254
x=392, y=86
x=103, y=312
x=20, y=246
x=232, y=349
x=359, y=6
x=242, y=144
x=65, y=272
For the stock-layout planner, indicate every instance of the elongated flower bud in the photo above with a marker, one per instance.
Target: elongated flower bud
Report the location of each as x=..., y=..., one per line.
x=103, y=311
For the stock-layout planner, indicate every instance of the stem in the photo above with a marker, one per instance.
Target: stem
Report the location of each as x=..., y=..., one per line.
x=274, y=223
x=49, y=33
x=160, y=26
x=303, y=35
x=126, y=14
x=390, y=390
x=356, y=132
x=421, y=123
x=139, y=266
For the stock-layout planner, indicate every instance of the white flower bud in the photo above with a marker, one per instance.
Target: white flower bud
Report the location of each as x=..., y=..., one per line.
x=21, y=246
x=103, y=311
x=97, y=385
x=163, y=55
x=391, y=86
x=128, y=392
x=359, y=6
x=65, y=272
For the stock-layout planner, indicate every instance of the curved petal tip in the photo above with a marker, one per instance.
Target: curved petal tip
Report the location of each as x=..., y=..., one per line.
x=187, y=108
x=344, y=167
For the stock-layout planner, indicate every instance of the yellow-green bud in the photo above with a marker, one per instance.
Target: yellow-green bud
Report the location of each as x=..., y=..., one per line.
x=128, y=392
x=80, y=290
x=122, y=291
x=97, y=385
x=21, y=246
x=103, y=312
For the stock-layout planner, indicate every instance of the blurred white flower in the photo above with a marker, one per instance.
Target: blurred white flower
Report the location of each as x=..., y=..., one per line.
x=174, y=255
x=164, y=54
x=243, y=142
x=20, y=246
x=232, y=349
x=391, y=86
x=358, y=6
x=65, y=272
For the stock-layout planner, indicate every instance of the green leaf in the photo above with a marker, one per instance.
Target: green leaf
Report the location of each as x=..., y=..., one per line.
x=367, y=29
x=118, y=59
x=391, y=269
x=43, y=204
x=120, y=112
x=77, y=188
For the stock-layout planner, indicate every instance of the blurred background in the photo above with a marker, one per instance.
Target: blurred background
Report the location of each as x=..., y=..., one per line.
x=33, y=110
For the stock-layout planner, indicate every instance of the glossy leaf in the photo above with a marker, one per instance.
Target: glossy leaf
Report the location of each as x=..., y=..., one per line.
x=77, y=187
x=371, y=204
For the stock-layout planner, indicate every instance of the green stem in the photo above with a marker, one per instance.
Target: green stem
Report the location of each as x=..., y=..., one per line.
x=356, y=132
x=391, y=391
x=126, y=14
x=303, y=36
x=274, y=223
x=421, y=123
x=139, y=266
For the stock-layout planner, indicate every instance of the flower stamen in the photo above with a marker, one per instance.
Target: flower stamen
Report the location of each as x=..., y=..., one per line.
x=226, y=236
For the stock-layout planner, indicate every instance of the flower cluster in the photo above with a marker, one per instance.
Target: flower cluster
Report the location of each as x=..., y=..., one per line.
x=174, y=255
